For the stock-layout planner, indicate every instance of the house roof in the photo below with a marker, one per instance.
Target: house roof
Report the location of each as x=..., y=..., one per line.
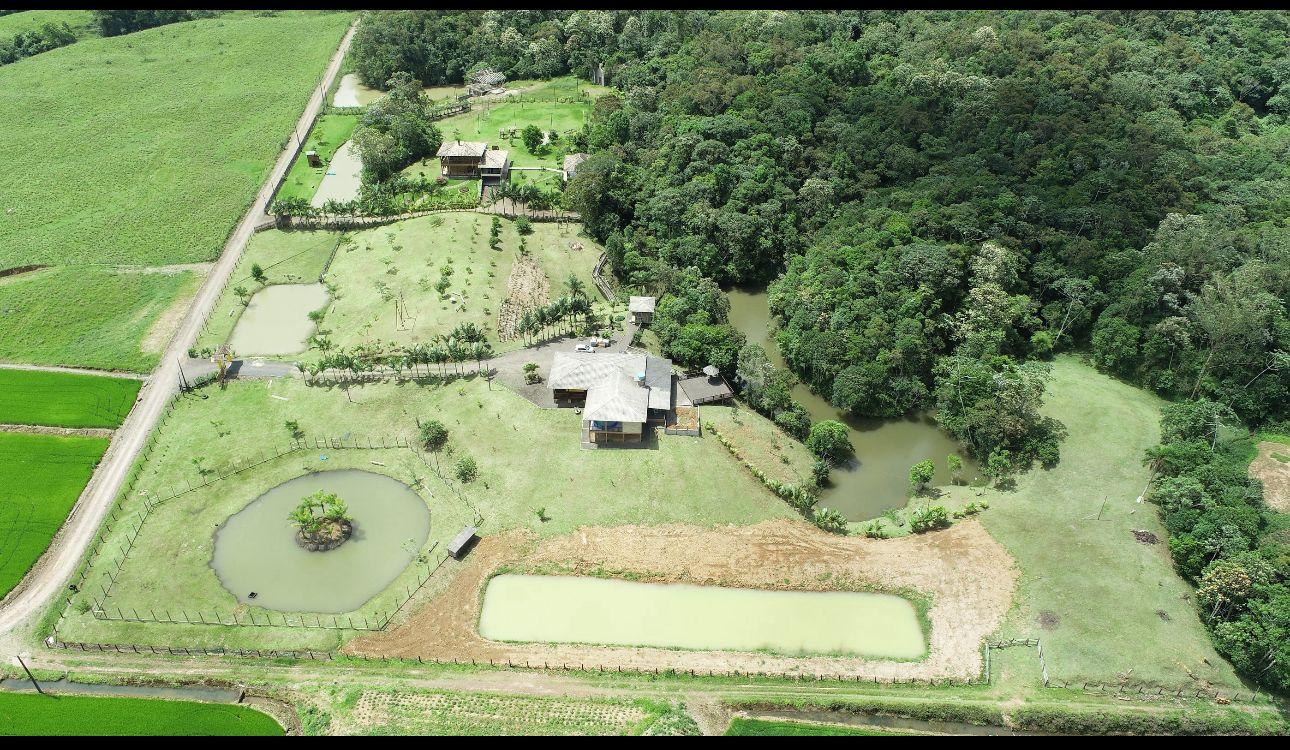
x=581, y=371
x=617, y=398
x=572, y=161
x=496, y=158
x=641, y=304
x=474, y=149
x=487, y=76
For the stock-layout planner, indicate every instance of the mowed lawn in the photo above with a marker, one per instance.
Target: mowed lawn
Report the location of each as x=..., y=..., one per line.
x=327, y=135
x=145, y=148
x=65, y=399
x=102, y=318
x=40, y=478
x=1111, y=606
x=80, y=715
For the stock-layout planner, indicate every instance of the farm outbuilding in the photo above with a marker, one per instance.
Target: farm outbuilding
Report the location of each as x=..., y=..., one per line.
x=460, y=544
x=571, y=164
x=642, y=309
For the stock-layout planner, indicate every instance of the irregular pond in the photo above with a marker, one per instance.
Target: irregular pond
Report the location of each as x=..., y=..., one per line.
x=343, y=176
x=352, y=93
x=256, y=551
x=276, y=322
x=575, y=609
x=876, y=479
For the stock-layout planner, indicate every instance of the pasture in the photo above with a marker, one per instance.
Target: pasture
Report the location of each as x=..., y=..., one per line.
x=41, y=476
x=98, y=317
x=79, y=715
x=65, y=399
x=145, y=148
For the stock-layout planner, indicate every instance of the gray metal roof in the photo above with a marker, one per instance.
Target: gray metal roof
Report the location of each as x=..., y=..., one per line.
x=496, y=158
x=641, y=304
x=474, y=149
x=572, y=161
x=617, y=398
x=580, y=371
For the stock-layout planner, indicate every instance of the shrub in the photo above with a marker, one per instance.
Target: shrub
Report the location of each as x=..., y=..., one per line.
x=831, y=520
x=466, y=469
x=929, y=519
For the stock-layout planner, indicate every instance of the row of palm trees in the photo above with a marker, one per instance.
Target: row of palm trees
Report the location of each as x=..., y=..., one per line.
x=560, y=316
x=465, y=343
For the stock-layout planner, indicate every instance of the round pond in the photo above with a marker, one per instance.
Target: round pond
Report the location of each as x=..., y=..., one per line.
x=256, y=550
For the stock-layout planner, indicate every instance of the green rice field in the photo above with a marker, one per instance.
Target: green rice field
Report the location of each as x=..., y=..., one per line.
x=65, y=399
x=78, y=715
x=40, y=478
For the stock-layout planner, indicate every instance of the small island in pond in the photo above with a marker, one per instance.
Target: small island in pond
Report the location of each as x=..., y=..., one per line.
x=322, y=522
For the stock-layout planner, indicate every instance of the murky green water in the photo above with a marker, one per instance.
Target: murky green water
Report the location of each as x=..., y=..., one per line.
x=343, y=177
x=573, y=609
x=255, y=549
x=276, y=322
x=878, y=477
x=351, y=92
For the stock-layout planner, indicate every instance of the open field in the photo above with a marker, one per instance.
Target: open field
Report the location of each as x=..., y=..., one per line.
x=104, y=318
x=145, y=148
x=62, y=399
x=40, y=478
x=285, y=257
x=72, y=715
x=408, y=259
x=81, y=22
x=329, y=133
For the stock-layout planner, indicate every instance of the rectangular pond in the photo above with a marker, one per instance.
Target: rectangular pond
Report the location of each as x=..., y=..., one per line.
x=607, y=612
x=276, y=322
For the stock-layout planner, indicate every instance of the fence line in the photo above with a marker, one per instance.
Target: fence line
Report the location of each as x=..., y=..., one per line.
x=605, y=290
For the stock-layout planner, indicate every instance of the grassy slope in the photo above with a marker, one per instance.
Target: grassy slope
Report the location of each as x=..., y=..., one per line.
x=80, y=21
x=1104, y=586
x=360, y=313
x=71, y=715
x=327, y=135
x=64, y=399
x=145, y=148
x=94, y=317
x=40, y=478
x=528, y=458
x=286, y=257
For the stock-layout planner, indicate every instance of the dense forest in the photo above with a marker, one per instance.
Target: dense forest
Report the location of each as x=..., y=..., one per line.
x=938, y=202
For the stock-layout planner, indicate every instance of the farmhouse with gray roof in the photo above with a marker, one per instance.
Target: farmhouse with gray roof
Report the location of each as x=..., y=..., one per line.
x=619, y=392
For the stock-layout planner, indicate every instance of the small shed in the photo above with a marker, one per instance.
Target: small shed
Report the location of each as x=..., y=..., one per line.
x=314, y=159
x=571, y=164
x=461, y=543
x=642, y=309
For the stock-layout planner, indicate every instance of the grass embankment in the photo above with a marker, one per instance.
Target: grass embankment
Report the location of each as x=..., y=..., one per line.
x=528, y=458
x=79, y=715
x=329, y=133
x=92, y=317
x=285, y=257
x=142, y=149
x=408, y=259
x=741, y=727
x=65, y=399
x=40, y=478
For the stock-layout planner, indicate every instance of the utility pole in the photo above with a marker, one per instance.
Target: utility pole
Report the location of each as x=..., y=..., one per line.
x=30, y=676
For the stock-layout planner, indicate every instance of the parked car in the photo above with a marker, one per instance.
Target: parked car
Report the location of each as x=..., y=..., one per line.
x=584, y=348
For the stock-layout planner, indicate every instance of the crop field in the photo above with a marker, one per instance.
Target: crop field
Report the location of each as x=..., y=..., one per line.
x=410, y=259
x=145, y=148
x=285, y=258
x=378, y=712
x=73, y=715
x=328, y=135
x=41, y=476
x=103, y=318
x=64, y=399
x=562, y=105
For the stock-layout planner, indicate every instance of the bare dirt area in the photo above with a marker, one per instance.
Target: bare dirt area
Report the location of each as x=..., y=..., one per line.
x=1274, y=473
x=969, y=577
x=58, y=431
x=526, y=288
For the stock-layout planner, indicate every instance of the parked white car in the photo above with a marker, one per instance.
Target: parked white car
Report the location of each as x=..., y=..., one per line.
x=584, y=348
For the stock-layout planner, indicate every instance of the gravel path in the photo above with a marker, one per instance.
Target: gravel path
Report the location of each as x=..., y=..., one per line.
x=49, y=574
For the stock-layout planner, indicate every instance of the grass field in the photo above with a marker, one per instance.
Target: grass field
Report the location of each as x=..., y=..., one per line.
x=40, y=478
x=741, y=727
x=81, y=22
x=409, y=258
x=1069, y=529
x=79, y=715
x=102, y=318
x=527, y=457
x=146, y=148
x=329, y=133
x=64, y=399
x=285, y=257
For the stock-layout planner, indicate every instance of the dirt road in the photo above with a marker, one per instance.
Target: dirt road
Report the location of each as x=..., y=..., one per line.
x=51, y=572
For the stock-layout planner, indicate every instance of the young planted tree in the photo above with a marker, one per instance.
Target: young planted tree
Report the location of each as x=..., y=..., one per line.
x=920, y=475
x=828, y=440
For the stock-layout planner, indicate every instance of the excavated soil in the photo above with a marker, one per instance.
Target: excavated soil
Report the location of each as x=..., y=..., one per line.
x=526, y=288
x=968, y=576
x=1275, y=475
